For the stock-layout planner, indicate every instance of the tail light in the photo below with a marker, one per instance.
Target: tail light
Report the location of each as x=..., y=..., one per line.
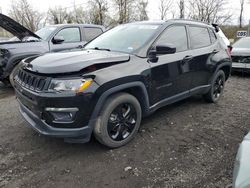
x=229, y=50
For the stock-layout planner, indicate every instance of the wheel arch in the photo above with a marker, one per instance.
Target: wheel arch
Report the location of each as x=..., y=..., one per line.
x=227, y=70
x=137, y=89
x=226, y=67
x=14, y=60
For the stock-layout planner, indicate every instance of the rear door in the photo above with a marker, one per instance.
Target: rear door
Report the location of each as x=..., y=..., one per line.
x=171, y=74
x=72, y=39
x=91, y=32
x=204, y=45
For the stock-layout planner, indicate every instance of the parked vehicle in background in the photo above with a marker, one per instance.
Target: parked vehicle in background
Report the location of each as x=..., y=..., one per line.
x=52, y=38
x=241, y=175
x=241, y=55
x=119, y=77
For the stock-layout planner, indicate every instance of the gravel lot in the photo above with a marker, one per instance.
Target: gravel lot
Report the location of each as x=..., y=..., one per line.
x=187, y=144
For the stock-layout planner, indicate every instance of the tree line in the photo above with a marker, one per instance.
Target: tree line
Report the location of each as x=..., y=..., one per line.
x=113, y=12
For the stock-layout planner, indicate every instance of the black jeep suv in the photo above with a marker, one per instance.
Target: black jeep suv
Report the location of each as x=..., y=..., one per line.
x=119, y=77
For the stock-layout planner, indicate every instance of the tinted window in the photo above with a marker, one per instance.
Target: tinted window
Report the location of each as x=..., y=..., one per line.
x=199, y=37
x=175, y=35
x=70, y=34
x=212, y=35
x=92, y=33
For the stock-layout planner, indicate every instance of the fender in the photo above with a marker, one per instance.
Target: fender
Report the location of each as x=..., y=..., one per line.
x=223, y=64
x=114, y=90
x=14, y=60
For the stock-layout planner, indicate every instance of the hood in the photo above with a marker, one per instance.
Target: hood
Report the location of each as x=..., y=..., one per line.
x=15, y=28
x=65, y=62
x=240, y=51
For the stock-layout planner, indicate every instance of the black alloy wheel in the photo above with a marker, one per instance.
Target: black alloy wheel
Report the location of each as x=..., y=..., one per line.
x=122, y=122
x=218, y=87
x=119, y=120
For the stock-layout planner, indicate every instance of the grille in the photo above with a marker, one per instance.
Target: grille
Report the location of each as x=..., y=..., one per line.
x=31, y=81
x=240, y=59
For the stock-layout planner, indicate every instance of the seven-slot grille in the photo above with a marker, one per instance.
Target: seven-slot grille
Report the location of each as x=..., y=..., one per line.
x=31, y=81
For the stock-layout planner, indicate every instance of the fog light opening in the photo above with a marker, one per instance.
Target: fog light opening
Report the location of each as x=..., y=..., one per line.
x=62, y=115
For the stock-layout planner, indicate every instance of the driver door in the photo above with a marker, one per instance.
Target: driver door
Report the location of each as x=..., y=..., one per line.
x=72, y=39
x=171, y=74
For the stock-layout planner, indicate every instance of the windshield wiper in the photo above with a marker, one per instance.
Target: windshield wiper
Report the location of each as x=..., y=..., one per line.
x=105, y=49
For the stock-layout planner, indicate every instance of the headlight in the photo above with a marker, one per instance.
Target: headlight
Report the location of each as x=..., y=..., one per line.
x=76, y=85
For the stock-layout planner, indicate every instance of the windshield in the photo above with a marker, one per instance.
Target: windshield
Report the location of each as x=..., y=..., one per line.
x=124, y=38
x=242, y=43
x=45, y=32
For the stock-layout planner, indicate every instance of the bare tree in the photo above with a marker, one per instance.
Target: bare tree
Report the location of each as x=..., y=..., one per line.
x=209, y=11
x=25, y=14
x=58, y=15
x=124, y=10
x=142, y=6
x=98, y=11
x=164, y=7
x=241, y=12
x=181, y=6
x=78, y=15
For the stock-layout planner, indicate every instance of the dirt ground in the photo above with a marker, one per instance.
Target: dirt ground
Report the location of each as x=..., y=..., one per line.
x=187, y=144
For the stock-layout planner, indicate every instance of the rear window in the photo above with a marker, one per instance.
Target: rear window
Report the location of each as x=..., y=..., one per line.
x=91, y=33
x=199, y=37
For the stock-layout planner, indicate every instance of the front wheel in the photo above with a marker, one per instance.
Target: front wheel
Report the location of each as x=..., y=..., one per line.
x=217, y=87
x=118, y=121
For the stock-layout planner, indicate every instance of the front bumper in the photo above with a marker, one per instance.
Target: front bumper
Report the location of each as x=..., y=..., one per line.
x=45, y=112
x=241, y=67
x=81, y=134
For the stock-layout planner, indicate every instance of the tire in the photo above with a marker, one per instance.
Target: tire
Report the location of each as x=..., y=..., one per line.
x=217, y=87
x=6, y=82
x=118, y=121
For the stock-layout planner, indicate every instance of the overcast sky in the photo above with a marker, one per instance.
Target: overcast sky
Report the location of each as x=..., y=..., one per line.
x=44, y=5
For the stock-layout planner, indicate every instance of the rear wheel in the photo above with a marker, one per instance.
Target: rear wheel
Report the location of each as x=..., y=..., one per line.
x=217, y=87
x=118, y=121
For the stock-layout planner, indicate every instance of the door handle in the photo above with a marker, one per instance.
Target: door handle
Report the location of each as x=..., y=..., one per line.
x=215, y=51
x=186, y=59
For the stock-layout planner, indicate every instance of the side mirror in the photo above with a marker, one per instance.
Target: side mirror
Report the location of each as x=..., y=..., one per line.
x=165, y=49
x=58, y=39
x=161, y=50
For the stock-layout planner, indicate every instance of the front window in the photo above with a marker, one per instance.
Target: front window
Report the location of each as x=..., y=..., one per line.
x=242, y=43
x=175, y=35
x=124, y=38
x=45, y=32
x=71, y=34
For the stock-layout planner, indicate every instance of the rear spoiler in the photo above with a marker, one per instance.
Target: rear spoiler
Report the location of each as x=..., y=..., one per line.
x=216, y=27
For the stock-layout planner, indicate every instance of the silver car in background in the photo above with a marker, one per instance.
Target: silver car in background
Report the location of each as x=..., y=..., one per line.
x=241, y=55
x=241, y=175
